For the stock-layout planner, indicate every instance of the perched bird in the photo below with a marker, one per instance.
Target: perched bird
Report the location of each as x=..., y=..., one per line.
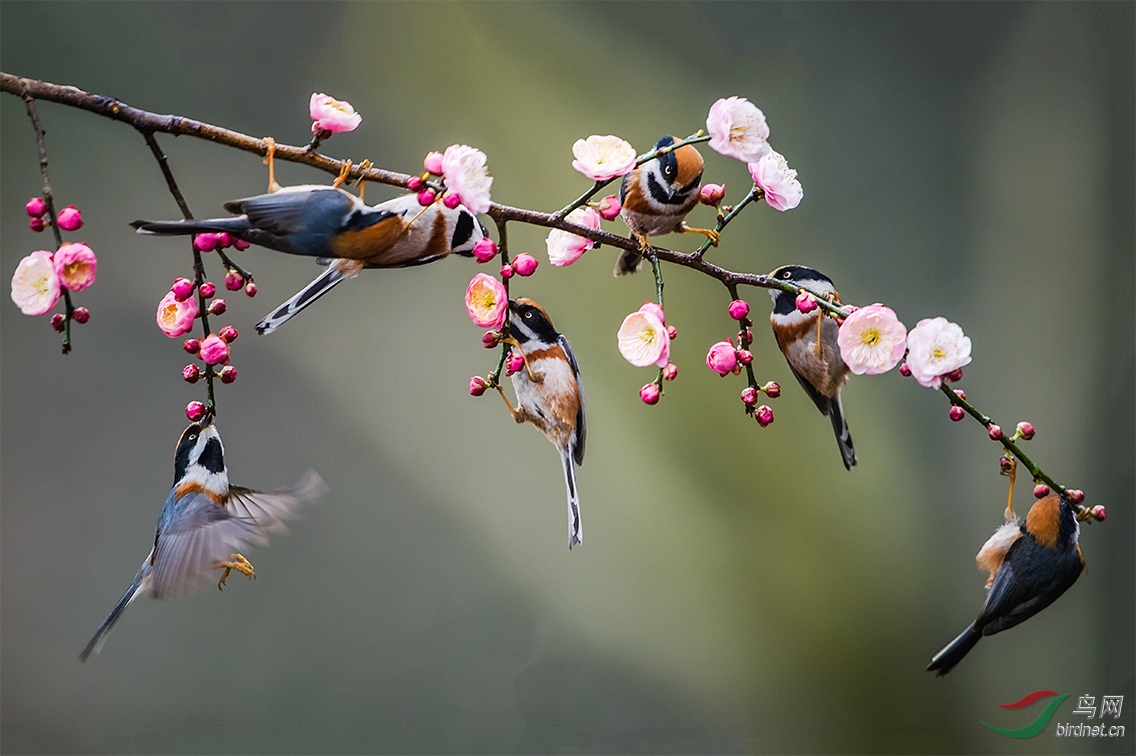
x=205, y=523
x=338, y=229
x=816, y=362
x=656, y=198
x=1030, y=566
x=549, y=394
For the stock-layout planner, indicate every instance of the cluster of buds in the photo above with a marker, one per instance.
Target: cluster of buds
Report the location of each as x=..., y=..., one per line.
x=222, y=240
x=464, y=173
x=68, y=219
x=214, y=350
x=522, y=265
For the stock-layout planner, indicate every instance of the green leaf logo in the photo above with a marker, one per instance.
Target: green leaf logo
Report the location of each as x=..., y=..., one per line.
x=1036, y=726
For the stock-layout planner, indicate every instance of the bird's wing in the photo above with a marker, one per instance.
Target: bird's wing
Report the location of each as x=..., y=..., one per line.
x=581, y=420
x=268, y=509
x=823, y=403
x=193, y=540
x=284, y=212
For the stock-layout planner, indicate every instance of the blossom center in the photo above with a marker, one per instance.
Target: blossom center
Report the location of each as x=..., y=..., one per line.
x=870, y=337
x=938, y=353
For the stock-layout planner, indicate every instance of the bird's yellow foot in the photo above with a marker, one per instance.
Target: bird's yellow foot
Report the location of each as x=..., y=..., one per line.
x=238, y=563
x=360, y=183
x=270, y=161
x=709, y=233
x=344, y=171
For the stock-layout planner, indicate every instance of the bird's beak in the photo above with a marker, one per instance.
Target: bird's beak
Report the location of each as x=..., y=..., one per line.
x=207, y=420
x=671, y=193
x=512, y=305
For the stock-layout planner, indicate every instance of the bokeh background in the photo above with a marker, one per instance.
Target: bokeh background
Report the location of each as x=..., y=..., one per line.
x=738, y=591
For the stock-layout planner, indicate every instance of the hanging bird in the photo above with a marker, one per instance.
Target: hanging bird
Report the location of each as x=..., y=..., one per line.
x=205, y=523
x=656, y=198
x=549, y=394
x=815, y=362
x=1030, y=567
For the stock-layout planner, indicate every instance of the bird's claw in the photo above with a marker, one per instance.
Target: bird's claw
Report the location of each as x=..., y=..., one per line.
x=270, y=161
x=344, y=172
x=360, y=183
x=236, y=562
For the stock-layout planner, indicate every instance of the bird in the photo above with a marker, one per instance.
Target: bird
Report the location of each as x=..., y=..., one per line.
x=340, y=231
x=816, y=363
x=550, y=394
x=1030, y=566
x=656, y=198
x=205, y=523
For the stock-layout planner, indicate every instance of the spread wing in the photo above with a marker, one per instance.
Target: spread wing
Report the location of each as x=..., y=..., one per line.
x=269, y=509
x=581, y=421
x=283, y=212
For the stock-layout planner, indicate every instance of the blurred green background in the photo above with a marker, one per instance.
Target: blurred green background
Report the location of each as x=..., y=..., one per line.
x=738, y=591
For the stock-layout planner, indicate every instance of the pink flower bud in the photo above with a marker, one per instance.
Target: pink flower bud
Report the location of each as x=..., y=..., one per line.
x=960, y=393
x=772, y=389
x=1076, y=495
x=712, y=194
x=1026, y=430
x=763, y=415
x=995, y=432
x=485, y=250
x=250, y=289
x=228, y=374
x=207, y=289
x=514, y=363
x=415, y=183
x=81, y=315
x=477, y=385
x=650, y=393
x=1040, y=491
x=427, y=197
x=670, y=372
x=738, y=309
x=217, y=307
x=433, y=163
x=745, y=356
x=672, y=333
x=507, y=272
x=451, y=200
x=490, y=339
x=525, y=264
x=195, y=411
x=214, y=350
x=229, y=334
x=1005, y=464
x=182, y=289
x=904, y=370
x=58, y=321
x=749, y=395
x=234, y=280
x=241, y=244
x=1098, y=513
x=722, y=358
x=37, y=224
x=956, y=413
x=192, y=346
x=69, y=219
x=609, y=207
x=224, y=240
x=806, y=302
x=954, y=376
x=745, y=337
x=36, y=207
x=205, y=242
x=191, y=373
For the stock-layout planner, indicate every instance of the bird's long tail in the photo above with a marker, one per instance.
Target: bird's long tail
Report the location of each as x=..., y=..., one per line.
x=944, y=661
x=629, y=261
x=843, y=436
x=304, y=297
x=138, y=585
x=575, y=531
x=237, y=225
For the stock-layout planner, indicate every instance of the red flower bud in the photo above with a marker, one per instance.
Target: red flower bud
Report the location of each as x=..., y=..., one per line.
x=763, y=415
x=954, y=376
x=672, y=332
x=670, y=372
x=749, y=395
x=228, y=334
x=451, y=200
x=650, y=393
x=525, y=264
x=36, y=207
x=207, y=289
x=1075, y=495
x=234, y=280
x=1026, y=430
x=195, y=411
x=37, y=224
x=427, y=197
x=415, y=183
x=217, y=307
x=957, y=413
x=904, y=370
x=745, y=356
x=69, y=219
x=81, y=315
x=241, y=244
x=250, y=289
x=191, y=373
x=192, y=346
x=1041, y=490
x=58, y=321
x=995, y=432
x=490, y=339
x=738, y=309
x=772, y=389
x=477, y=385
x=1098, y=513
x=205, y=242
x=228, y=374
x=507, y=272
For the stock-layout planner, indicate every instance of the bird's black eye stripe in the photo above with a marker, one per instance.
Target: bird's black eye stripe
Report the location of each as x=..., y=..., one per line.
x=463, y=230
x=212, y=456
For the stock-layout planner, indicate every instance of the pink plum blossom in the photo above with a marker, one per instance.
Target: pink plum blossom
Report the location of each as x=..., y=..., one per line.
x=174, y=317
x=609, y=207
x=777, y=180
x=565, y=247
x=466, y=175
x=69, y=219
x=75, y=265
x=35, y=285
x=486, y=301
x=722, y=358
x=330, y=114
x=214, y=350
x=936, y=346
x=738, y=129
x=602, y=158
x=643, y=339
x=872, y=340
